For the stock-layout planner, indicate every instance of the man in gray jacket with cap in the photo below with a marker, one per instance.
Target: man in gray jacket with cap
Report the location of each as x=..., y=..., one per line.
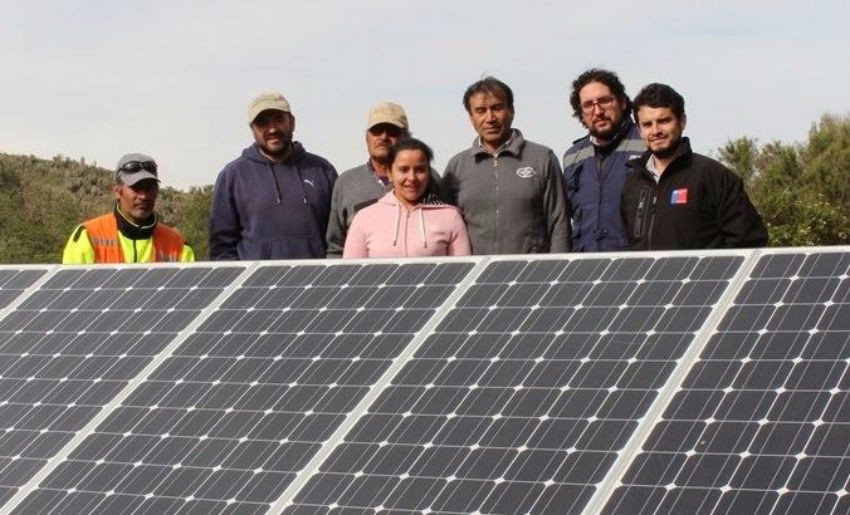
x=363, y=185
x=510, y=189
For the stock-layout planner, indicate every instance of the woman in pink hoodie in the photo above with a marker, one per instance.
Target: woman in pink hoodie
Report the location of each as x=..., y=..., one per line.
x=409, y=220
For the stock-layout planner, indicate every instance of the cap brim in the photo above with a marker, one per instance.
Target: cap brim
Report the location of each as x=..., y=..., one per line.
x=130, y=179
x=394, y=123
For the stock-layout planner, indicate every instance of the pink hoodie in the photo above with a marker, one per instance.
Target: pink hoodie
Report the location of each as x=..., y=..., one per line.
x=387, y=229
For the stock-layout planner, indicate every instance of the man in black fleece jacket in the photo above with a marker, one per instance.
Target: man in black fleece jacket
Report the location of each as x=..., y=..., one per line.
x=675, y=198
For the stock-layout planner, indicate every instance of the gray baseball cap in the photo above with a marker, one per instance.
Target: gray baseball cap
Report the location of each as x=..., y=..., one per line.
x=135, y=167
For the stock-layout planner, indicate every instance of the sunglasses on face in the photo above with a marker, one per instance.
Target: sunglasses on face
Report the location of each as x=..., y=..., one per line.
x=135, y=166
x=385, y=128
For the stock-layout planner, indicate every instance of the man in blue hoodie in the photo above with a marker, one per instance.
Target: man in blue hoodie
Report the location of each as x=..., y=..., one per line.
x=272, y=202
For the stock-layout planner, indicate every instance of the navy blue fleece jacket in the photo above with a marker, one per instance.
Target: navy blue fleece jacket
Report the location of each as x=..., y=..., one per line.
x=266, y=210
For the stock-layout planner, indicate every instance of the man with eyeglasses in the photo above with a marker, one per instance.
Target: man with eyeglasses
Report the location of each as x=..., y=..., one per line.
x=595, y=164
x=510, y=189
x=131, y=233
x=272, y=202
x=361, y=186
x=676, y=199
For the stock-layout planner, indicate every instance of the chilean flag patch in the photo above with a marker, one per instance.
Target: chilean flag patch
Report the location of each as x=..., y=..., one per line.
x=679, y=196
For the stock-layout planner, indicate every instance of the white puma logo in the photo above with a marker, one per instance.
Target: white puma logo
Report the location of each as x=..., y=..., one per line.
x=308, y=181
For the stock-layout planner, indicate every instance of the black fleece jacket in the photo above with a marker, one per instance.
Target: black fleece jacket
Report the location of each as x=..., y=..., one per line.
x=697, y=204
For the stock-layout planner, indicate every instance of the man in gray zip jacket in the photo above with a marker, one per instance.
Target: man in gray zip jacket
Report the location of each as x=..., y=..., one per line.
x=510, y=189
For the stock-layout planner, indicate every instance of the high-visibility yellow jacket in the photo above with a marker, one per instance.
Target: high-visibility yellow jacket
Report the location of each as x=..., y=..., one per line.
x=100, y=241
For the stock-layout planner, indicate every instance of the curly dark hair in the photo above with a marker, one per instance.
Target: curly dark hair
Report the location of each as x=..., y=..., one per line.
x=606, y=77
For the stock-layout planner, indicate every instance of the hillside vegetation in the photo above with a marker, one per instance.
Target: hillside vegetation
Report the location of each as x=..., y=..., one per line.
x=802, y=191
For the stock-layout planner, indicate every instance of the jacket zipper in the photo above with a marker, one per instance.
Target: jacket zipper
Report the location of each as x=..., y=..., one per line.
x=651, y=219
x=495, y=201
x=598, y=213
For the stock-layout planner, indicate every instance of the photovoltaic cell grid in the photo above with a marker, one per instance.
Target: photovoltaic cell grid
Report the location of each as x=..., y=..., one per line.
x=761, y=425
x=14, y=282
x=521, y=399
x=224, y=425
x=70, y=346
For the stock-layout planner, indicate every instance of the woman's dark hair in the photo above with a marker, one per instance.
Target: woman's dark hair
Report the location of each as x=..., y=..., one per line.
x=410, y=144
x=433, y=190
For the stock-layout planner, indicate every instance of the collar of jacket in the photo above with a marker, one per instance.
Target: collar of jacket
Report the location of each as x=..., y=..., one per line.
x=513, y=147
x=131, y=230
x=383, y=181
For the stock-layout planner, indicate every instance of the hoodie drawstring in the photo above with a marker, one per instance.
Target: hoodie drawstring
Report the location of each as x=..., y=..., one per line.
x=279, y=198
x=398, y=225
x=301, y=184
x=422, y=228
x=274, y=180
x=397, y=222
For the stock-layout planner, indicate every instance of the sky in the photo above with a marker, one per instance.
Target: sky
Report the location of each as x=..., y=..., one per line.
x=173, y=79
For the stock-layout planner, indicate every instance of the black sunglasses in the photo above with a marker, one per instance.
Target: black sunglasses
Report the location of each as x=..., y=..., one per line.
x=391, y=130
x=135, y=166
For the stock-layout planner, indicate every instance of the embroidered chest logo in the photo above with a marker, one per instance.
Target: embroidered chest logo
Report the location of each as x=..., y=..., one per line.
x=679, y=197
x=526, y=172
x=308, y=181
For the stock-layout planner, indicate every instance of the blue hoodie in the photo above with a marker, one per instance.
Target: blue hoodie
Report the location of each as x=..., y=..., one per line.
x=266, y=210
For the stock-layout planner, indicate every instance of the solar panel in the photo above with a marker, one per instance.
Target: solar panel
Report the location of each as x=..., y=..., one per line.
x=522, y=397
x=68, y=348
x=224, y=424
x=761, y=424
x=664, y=383
x=13, y=282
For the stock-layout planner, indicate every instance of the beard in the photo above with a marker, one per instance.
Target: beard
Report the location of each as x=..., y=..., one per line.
x=608, y=134
x=279, y=149
x=668, y=151
x=605, y=135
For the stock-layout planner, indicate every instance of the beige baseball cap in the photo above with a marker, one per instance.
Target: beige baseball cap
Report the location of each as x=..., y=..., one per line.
x=387, y=112
x=266, y=101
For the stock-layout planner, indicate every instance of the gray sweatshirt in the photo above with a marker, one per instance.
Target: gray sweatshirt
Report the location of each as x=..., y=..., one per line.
x=513, y=202
x=353, y=190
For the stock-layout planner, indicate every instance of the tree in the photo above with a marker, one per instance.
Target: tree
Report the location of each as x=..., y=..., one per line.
x=801, y=190
x=195, y=224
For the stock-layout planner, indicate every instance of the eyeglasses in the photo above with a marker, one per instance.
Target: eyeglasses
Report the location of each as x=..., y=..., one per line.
x=603, y=103
x=135, y=166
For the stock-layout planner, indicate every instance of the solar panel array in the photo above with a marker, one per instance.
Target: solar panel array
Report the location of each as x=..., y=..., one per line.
x=520, y=399
x=712, y=382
